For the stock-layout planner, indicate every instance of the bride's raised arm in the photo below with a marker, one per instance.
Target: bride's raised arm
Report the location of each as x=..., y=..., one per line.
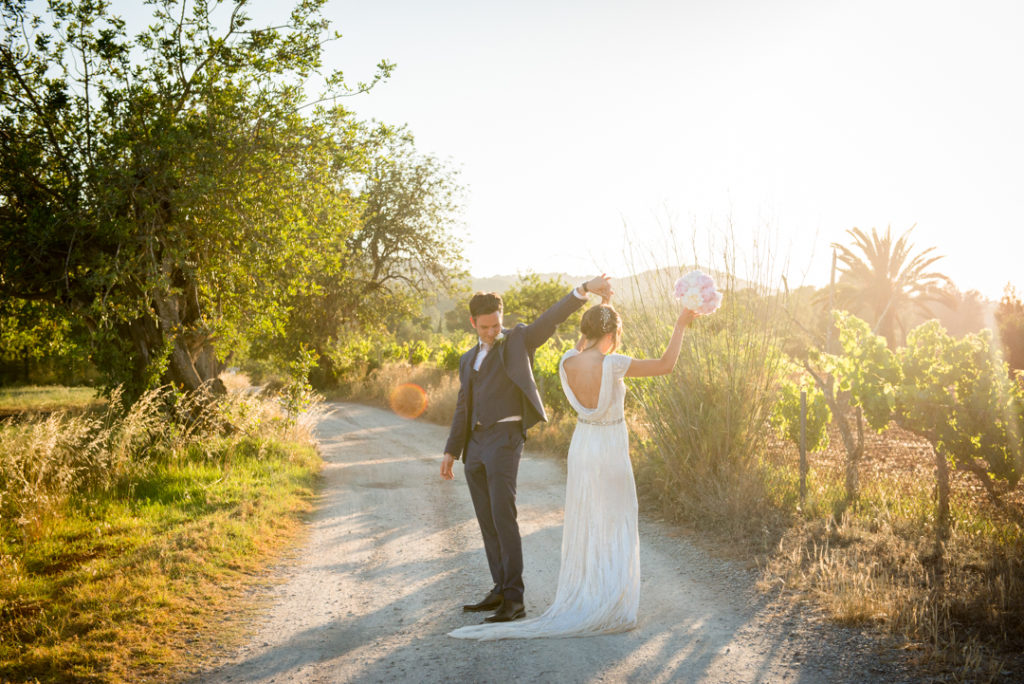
x=643, y=368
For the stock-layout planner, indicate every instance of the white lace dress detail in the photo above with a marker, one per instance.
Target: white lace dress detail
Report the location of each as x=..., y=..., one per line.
x=599, y=580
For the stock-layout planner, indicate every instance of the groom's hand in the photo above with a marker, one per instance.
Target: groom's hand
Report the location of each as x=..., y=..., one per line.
x=446, y=467
x=601, y=286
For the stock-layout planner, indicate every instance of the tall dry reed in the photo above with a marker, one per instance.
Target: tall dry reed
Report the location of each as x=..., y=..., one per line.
x=698, y=430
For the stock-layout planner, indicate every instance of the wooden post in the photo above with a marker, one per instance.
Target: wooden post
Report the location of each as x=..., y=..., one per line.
x=803, y=447
x=831, y=303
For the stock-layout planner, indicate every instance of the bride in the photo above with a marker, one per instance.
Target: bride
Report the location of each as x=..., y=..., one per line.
x=599, y=580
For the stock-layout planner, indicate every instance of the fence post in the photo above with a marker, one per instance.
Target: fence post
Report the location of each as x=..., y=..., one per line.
x=803, y=447
x=831, y=304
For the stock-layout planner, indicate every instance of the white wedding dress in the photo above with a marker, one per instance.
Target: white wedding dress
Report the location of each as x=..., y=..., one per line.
x=599, y=580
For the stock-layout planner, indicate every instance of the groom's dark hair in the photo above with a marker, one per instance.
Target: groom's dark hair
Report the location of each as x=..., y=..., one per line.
x=483, y=303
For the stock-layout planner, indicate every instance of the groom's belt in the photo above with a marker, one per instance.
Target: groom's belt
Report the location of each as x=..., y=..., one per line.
x=510, y=419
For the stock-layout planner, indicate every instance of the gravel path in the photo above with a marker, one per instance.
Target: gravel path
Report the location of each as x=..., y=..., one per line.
x=394, y=551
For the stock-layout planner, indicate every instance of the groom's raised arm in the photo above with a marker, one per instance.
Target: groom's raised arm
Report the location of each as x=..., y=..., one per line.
x=538, y=332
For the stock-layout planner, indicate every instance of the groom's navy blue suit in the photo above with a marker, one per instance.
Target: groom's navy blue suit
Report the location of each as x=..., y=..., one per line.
x=502, y=387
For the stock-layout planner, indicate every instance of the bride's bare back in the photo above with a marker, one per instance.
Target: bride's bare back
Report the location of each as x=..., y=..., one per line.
x=584, y=372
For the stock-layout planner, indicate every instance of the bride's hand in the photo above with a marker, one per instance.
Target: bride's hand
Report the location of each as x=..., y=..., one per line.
x=686, y=317
x=601, y=286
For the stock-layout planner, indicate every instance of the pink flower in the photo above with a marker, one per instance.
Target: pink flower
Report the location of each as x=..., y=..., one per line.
x=696, y=291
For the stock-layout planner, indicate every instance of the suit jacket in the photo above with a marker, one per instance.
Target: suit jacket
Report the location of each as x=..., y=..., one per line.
x=516, y=354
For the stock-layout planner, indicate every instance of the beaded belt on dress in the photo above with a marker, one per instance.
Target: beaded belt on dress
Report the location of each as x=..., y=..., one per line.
x=600, y=422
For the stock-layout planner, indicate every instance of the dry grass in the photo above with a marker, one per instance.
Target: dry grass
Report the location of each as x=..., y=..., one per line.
x=440, y=386
x=552, y=437
x=963, y=603
x=236, y=381
x=45, y=460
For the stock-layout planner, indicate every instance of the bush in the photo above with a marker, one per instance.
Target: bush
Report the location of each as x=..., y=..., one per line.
x=545, y=371
x=447, y=355
x=698, y=430
x=417, y=352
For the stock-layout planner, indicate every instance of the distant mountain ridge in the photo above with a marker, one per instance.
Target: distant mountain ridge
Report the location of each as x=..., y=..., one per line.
x=500, y=283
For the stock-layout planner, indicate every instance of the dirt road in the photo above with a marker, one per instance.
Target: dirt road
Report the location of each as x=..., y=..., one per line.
x=394, y=551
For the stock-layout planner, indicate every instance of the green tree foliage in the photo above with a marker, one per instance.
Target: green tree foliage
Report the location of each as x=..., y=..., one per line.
x=955, y=392
x=398, y=254
x=866, y=368
x=172, y=190
x=297, y=396
x=785, y=414
x=31, y=331
x=450, y=352
x=456, y=319
x=531, y=295
x=1010, y=319
x=883, y=280
x=545, y=371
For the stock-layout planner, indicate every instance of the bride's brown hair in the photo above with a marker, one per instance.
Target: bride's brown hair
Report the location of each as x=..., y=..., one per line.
x=598, y=321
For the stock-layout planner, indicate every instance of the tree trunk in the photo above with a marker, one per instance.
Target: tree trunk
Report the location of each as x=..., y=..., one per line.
x=854, y=451
x=146, y=341
x=209, y=367
x=185, y=369
x=325, y=374
x=839, y=403
x=981, y=472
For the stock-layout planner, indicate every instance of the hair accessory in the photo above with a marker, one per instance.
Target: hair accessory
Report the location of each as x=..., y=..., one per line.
x=606, y=317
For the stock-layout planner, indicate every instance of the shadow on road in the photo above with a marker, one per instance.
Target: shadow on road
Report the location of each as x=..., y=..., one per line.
x=395, y=551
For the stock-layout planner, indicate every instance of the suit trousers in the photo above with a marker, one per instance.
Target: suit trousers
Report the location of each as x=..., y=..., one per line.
x=492, y=465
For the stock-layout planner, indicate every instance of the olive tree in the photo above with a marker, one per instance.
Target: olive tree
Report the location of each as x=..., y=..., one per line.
x=177, y=190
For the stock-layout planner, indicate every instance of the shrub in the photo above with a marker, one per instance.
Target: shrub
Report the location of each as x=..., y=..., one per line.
x=545, y=371
x=701, y=426
x=447, y=355
x=417, y=352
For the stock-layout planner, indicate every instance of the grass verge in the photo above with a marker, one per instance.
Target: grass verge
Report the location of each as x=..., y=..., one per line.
x=136, y=572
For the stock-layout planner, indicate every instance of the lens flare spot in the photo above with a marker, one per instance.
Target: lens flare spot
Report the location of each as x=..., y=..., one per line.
x=408, y=400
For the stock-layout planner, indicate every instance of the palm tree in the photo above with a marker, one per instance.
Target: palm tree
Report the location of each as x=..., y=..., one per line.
x=883, y=280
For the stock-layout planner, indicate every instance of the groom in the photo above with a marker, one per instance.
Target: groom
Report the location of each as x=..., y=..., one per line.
x=498, y=401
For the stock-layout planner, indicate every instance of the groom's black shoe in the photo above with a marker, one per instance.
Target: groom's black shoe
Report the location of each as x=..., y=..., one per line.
x=490, y=602
x=509, y=611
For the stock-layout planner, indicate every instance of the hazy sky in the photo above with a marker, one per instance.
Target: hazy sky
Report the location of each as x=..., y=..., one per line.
x=573, y=121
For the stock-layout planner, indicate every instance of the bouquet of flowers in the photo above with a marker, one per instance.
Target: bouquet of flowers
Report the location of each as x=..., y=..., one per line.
x=696, y=290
